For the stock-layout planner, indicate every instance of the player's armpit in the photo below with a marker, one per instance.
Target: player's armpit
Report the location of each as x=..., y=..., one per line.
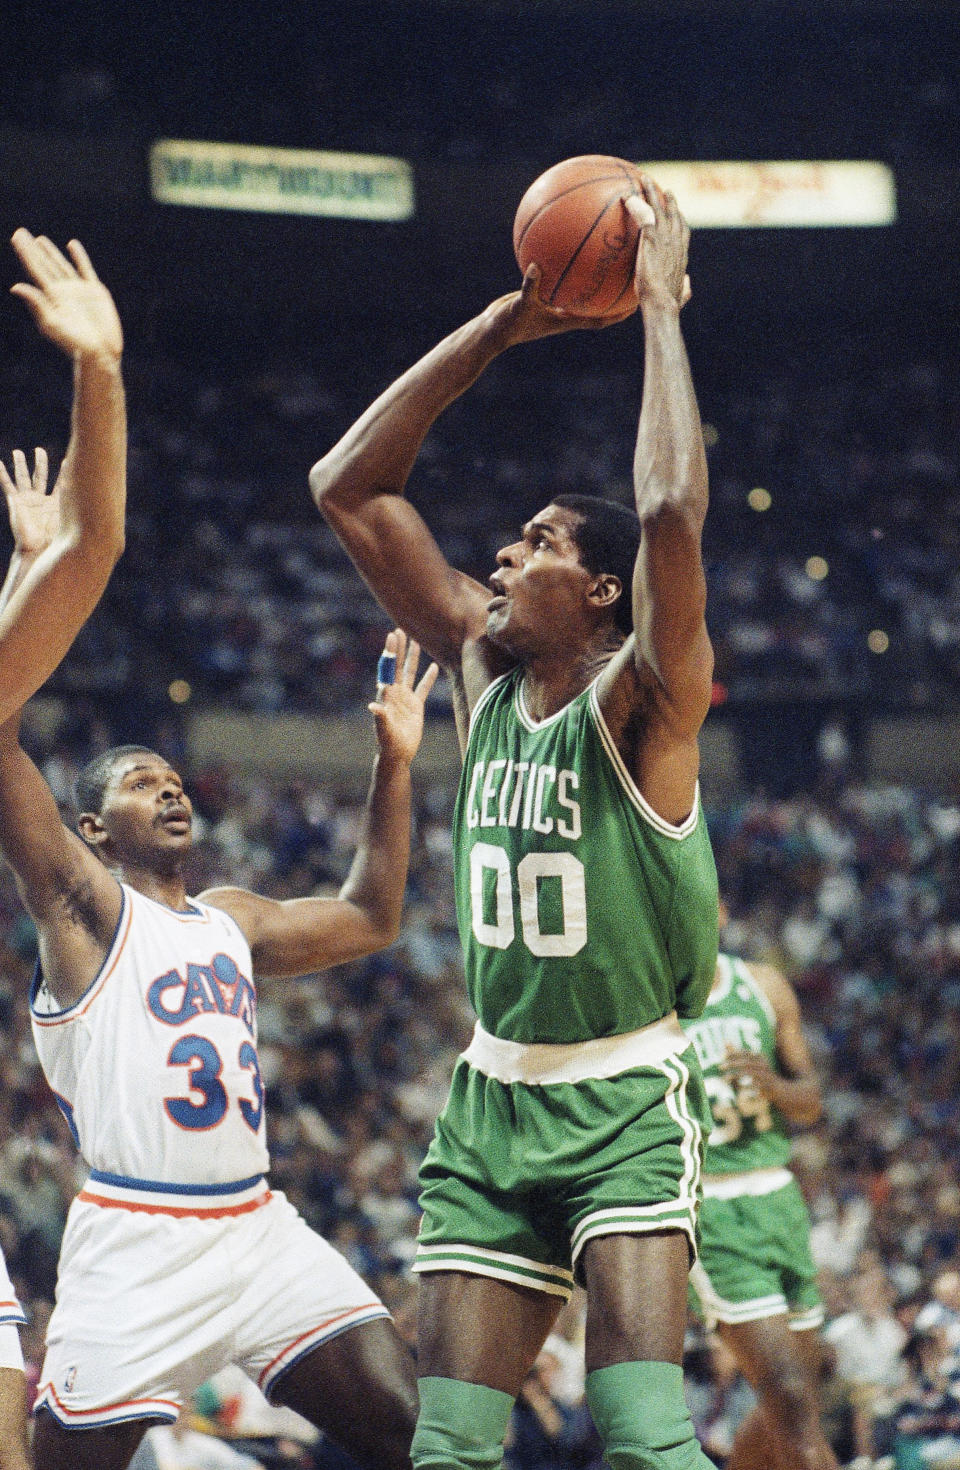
x=68, y=892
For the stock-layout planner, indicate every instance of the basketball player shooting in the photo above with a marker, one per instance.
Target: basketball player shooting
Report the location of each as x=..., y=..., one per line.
x=177, y=1257
x=570, y=1145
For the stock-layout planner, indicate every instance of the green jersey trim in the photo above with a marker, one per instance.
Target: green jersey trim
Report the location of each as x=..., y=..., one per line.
x=732, y=969
x=720, y=988
x=526, y=718
x=679, y=1107
x=717, y=1309
x=666, y=829
x=678, y=1215
x=629, y=1220
x=485, y=698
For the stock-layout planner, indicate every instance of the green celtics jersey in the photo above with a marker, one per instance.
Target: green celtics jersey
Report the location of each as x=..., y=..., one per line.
x=582, y=913
x=748, y=1132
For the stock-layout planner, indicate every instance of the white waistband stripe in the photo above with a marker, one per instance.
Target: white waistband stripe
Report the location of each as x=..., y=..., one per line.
x=755, y=1182
x=541, y=1064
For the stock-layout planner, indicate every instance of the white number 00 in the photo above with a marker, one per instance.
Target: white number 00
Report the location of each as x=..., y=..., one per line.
x=487, y=857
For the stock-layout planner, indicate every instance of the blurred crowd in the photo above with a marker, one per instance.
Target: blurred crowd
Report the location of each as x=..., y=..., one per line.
x=233, y=589
x=853, y=890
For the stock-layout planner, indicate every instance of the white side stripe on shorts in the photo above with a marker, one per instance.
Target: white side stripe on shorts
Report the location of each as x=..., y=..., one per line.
x=751, y=1182
x=717, y=1309
x=678, y=1106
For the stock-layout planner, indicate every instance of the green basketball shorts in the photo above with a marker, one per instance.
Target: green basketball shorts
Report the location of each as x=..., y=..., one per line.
x=520, y=1176
x=755, y=1256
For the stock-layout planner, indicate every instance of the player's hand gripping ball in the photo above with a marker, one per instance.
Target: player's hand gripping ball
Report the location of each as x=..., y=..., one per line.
x=572, y=223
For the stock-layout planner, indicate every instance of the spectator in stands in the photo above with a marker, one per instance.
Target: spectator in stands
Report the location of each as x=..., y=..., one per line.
x=926, y=1421
x=866, y=1344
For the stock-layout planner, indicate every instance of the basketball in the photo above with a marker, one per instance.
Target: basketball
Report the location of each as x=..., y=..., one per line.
x=572, y=223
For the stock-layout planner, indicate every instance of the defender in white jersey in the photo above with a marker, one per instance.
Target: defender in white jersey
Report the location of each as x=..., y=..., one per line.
x=65, y=546
x=177, y=1257
x=13, y=1397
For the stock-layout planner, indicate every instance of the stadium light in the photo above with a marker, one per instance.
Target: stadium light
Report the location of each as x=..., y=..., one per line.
x=780, y=195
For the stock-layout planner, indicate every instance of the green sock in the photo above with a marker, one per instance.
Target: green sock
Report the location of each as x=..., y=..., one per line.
x=461, y=1426
x=642, y=1417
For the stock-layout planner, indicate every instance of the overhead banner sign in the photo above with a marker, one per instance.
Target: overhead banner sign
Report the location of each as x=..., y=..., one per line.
x=780, y=195
x=281, y=180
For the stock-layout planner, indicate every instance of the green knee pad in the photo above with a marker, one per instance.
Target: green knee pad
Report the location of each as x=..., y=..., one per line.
x=461, y=1426
x=642, y=1417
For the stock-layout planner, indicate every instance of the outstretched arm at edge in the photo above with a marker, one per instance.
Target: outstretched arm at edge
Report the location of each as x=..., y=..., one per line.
x=62, y=585
x=73, y=900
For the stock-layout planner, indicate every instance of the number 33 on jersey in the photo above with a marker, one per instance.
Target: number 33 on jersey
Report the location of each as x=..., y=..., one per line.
x=155, y=1067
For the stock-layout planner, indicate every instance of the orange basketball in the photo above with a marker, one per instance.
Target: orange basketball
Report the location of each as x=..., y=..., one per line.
x=573, y=224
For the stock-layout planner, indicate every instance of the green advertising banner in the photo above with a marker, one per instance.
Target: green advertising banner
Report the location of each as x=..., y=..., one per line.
x=281, y=180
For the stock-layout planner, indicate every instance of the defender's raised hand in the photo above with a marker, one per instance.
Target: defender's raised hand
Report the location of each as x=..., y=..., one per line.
x=661, y=268
x=34, y=515
x=398, y=708
x=66, y=543
x=70, y=304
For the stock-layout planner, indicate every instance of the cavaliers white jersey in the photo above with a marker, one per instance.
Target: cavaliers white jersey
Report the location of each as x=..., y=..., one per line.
x=155, y=1067
x=177, y=1257
x=10, y=1308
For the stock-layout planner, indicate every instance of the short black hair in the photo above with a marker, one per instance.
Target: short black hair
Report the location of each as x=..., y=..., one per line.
x=91, y=784
x=608, y=539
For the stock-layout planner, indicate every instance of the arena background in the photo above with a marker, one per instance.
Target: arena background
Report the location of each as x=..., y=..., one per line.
x=236, y=637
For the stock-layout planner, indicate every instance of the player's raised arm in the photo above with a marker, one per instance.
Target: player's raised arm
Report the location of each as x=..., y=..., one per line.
x=51, y=598
x=359, y=484
x=34, y=514
x=72, y=898
x=670, y=484
x=298, y=936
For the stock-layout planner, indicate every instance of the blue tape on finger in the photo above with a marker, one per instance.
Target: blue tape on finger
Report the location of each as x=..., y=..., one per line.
x=386, y=668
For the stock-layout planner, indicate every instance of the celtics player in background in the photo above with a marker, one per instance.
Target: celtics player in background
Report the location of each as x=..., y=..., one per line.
x=755, y=1281
x=570, y=1144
